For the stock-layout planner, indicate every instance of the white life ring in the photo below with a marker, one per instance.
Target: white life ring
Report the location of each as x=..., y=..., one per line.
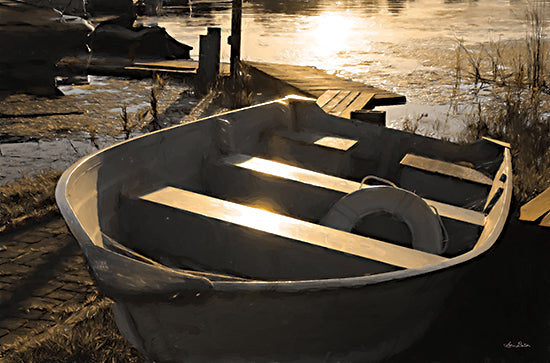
x=424, y=225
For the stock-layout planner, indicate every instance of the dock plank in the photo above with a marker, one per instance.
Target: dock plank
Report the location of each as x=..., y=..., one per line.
x=344, y=104
x=335, y=101
x=326, y=97
x=360, y=102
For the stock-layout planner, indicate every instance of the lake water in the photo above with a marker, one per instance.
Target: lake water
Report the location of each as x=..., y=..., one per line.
x=408, y=47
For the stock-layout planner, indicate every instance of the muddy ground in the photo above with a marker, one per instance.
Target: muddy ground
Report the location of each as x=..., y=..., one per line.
x=43, y=133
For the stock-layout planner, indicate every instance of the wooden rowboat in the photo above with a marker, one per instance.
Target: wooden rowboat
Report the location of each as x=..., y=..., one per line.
x=253, y=236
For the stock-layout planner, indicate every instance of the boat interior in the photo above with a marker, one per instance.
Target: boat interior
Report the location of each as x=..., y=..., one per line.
x=246, y=194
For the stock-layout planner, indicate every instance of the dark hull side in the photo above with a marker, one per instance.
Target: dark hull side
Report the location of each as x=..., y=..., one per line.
x=364, y=324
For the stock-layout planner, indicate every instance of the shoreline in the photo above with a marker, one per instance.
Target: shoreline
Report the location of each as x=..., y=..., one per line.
x=86, y=118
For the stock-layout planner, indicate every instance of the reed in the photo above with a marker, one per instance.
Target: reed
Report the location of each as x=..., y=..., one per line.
x=508, y=85
x=228, y=93
x=128, y=123
x=158, y=84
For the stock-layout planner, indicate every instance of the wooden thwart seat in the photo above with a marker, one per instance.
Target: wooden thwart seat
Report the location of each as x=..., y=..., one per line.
x=445, y=168
x=290, y=228
x=313, y=138
x=333, y=183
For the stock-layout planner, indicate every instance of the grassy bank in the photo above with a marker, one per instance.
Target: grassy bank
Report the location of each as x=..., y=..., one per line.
x=507, y=86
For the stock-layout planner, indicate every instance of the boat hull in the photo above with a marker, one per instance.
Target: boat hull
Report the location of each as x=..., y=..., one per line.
x=173, y=312
x=364, y=324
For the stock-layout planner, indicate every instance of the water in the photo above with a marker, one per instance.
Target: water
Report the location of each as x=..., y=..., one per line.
x=407, y=47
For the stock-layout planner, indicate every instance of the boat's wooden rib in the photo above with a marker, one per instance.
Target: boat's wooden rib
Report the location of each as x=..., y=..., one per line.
x=457, y=213
x=343, y=186
x=445, y=168
x=291, y=228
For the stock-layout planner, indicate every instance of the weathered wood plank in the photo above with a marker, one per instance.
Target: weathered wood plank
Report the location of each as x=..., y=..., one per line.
x=169, y=64
x=342, y=106
x=179, y=66
x=359, y=103
x=460, y=214
x=445, y=168
x=287, y=227
x=326, y=97
x=536, y=207
x=313, y=82
x=342, y=185
x=335, y=101
x=326, y=140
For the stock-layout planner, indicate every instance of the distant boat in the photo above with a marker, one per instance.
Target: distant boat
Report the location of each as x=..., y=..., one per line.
x=254, y=235
x=33, y=40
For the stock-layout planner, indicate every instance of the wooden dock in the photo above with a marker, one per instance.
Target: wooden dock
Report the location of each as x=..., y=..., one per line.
x=146, y=68
x=335, y=95
x=313, y=82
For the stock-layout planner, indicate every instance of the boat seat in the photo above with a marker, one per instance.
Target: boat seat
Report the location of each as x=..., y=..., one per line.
x=316, y=150
x=327, y=187
x=434, y=179
x=254, y=242
x=445, y=168
x=315, y=138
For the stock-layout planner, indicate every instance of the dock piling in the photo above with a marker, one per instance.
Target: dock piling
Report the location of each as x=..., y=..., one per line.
x=235, y=37
x=209, y=60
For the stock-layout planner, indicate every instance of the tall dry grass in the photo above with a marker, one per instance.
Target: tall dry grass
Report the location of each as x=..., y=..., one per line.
x=509, y=83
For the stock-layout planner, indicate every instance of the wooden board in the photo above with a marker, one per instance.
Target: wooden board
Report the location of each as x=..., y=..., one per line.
x=445, y=168
x=342, y=103
x=536, y=207
x=342, y=185
x=315, y=138
x=313, y=82
x=287, y=227
x=173, y=66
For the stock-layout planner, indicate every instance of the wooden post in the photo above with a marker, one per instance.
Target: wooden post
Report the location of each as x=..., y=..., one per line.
x=374, y=117
x=235, y=37
x=209, y=60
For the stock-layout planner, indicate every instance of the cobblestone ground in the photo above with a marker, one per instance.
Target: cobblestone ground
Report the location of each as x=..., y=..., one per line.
x=43, y=281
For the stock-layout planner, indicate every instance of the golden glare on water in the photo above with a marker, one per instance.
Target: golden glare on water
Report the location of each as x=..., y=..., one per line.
x=331, y=32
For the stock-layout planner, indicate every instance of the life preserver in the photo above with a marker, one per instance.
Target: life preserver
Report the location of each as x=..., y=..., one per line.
x=423, y=223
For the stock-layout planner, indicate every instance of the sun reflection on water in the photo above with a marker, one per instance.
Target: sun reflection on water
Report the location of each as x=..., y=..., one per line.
x=331, y=34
